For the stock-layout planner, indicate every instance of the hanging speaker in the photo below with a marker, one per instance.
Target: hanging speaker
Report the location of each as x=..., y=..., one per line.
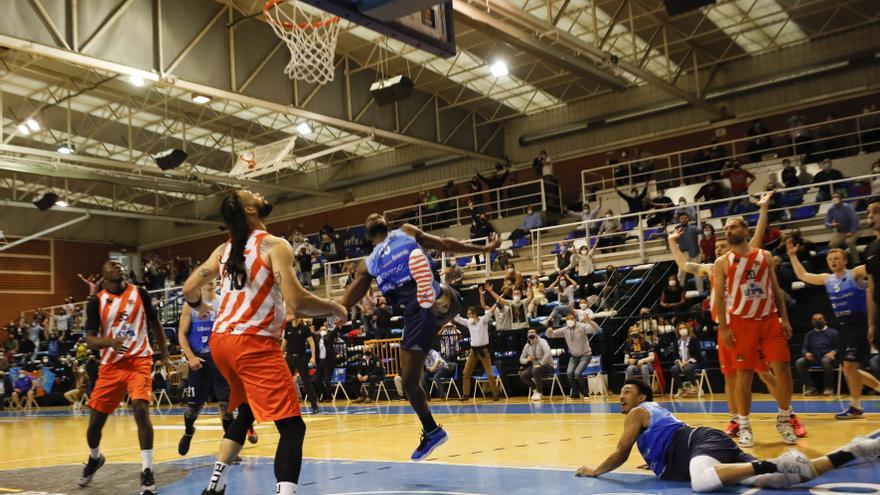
x=47, y=201
x=676, y=7
x=170, y=159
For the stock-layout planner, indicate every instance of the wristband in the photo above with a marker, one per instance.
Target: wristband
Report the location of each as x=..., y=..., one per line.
x=195, y=305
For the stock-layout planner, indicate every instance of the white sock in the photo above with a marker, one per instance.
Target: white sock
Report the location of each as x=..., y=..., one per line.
x=285, y=488
x=783, y=414
x=744, y=421
x=95, y=453
x=218, y=476
x=146, y=459
x=734, y=418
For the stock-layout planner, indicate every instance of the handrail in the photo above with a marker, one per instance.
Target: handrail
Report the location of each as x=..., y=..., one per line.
x=730, y=145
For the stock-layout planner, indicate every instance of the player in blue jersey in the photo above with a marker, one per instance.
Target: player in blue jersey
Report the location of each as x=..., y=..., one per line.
x=402, y=268
x=847, y=291
x=194, y=334
x=706, y=457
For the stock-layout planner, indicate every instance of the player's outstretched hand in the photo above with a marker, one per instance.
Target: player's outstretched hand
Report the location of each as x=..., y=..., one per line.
x=764, y=202
x=118, y=345
x=339, y=312
x=494, y=243
x=674, y=235
x=791, y=248
x=585, y=472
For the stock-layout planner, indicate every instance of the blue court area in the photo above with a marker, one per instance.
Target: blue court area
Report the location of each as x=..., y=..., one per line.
x=329, y=477
x=480, y=407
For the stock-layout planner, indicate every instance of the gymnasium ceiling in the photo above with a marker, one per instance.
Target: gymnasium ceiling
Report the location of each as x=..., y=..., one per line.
x=75, y=80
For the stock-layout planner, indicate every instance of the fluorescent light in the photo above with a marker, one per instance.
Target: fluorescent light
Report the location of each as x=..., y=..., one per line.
x=136, y=80
x=33, y=124
x=498, y=68
x=304, y=128
x=65, y=149
x=23, y=130
x=200, y=99
x=61, y=203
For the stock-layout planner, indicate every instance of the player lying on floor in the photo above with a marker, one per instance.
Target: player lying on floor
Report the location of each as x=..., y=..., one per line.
x=707, y=457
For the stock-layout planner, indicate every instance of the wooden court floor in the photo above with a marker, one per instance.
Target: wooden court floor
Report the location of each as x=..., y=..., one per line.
x=555, y=434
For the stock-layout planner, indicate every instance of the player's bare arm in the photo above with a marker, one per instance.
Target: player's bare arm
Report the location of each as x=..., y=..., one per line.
x=780, y=302
x=201, y=276
x=763, y=205
x=636, y=420
x=448, y=244
x=720, y=275
x=299, y=301
x=194, y=361
x=802, y=274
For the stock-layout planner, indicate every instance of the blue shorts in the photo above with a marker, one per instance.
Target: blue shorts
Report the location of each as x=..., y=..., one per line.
x=420, y=325
x=687, y=443
x=205, y=381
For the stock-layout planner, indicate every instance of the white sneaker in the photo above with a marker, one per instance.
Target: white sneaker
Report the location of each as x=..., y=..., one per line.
x=536, y=396
x=863, y=448
x=586, y=397
x=746, y=438
x=795, y=462
x=786, y=431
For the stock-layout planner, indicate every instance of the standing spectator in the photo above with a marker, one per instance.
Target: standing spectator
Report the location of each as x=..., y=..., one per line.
x=304, y=263
x=494, y=181
x=759, y=140
x=367, y=309
x=644, y=167
x=689, y=243
x=370, y=372
x=297, y=341
x=537, y=295
x=688, y=358
x=542, y=165
x=382, y=318
x=611, y=287
x=514, y=276
x=588, y=216
x=563, y=286
x=707, y=244
x=36, y=333
x=577, y=339
x=842, y=218
x=710, y=191
x=828, y=173
x=448, y=205
x=474, y=189
x=740, y=180
x=636, y=201
x=326, y=351
x=638, y=356
x=819, y=349
x=672, y=298
x=479, y=335
x=583, y=262
x=684, y=208
x=510, y=314
x=610, y=231
x=538, y=362
x=436, y=370
x=562, y=263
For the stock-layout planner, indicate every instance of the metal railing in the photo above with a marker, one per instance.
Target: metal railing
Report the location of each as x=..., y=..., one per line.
x=854, y=134
x=499, y=202
x=637, y=221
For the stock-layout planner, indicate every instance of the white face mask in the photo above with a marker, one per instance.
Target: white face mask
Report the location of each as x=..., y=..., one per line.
x=683, y=333
x=517, y=299
x=569, y=323
x=673, y=283
x=323, y=333
x=510, y=270
x=584, y=306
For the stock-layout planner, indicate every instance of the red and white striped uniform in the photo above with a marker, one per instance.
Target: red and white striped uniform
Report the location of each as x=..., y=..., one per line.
x=123, y=315
x=749, y=292
x=422, y=275
x=257, y=308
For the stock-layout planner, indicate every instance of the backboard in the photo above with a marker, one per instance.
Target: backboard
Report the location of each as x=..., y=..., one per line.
x=429, y=29
x=264, y=159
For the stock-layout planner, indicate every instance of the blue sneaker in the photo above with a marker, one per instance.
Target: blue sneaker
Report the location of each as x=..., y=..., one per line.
x=850, y=413
x=430, y=441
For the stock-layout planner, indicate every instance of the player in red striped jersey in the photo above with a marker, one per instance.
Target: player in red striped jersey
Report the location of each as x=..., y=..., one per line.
x=258, y=287
x=755, y=325
x=119, y=319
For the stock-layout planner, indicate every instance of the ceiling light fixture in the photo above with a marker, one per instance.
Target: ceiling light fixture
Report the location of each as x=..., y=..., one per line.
x=304, y=128
x=200, y=99
x=498, y=68
x=61, y=203
x=66, y=149
x=32, y=124
x=23, y=130
x=136, y=80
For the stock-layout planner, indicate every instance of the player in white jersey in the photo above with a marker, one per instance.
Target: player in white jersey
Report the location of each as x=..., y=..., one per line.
x=258, y=287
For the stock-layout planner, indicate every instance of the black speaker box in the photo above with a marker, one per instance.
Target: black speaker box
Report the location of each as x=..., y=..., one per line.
x=47, y=201
x=170, y=159
x=676, y=7
x=390, y=90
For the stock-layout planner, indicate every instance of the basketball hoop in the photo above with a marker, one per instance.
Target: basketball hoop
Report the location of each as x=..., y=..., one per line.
x=310, y=37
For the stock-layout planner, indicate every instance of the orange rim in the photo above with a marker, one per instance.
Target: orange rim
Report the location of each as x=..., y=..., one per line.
x=270, y=4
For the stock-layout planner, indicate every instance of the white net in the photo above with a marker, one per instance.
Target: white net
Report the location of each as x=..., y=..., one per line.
x=310, y=36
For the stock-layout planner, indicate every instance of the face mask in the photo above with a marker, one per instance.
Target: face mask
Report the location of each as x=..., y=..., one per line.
x=818, y=325
x=510, y=270
x=682, y=203
x=673, y=283
x=569, y=323
x=634, y=336
x=683, y=333
x=264, y=210
x=517, y=299
x=707, y=232
x=532, y=337
x=562, y=284
x=323, y=333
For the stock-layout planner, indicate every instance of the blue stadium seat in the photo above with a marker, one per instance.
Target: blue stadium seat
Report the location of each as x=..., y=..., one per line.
x=521, y=242
x=805, y=212
x=628, y=224
x=719, y=210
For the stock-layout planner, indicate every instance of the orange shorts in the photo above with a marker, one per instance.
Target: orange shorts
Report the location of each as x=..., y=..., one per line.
x=257, y=374
x=756, y=341
x=727, y=361
x=132, y=374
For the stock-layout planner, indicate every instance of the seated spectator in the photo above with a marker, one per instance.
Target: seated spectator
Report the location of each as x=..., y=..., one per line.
x=638, y=356
x=537, y=295
x=760, y=140
x=531, y=221
x=514, y=276
x=789, y=174
x=370, y=371
x=710, y=191
x=589, y=217
x=688, y=358
x=577, y=341
x=453, y=274
x=661, y=202
x=537, y=361
x=672, y=298
x=23, y=387
x=563, y=287
x=436, y=370
x=740, y=180
x=636, y=201
x=689, y=243
x=684, y=208
x=828, y=173
x=707, y=244
x=609, y=232
x=819, y=349
x=649, y=327
x=844, y=221
x=583, y=263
